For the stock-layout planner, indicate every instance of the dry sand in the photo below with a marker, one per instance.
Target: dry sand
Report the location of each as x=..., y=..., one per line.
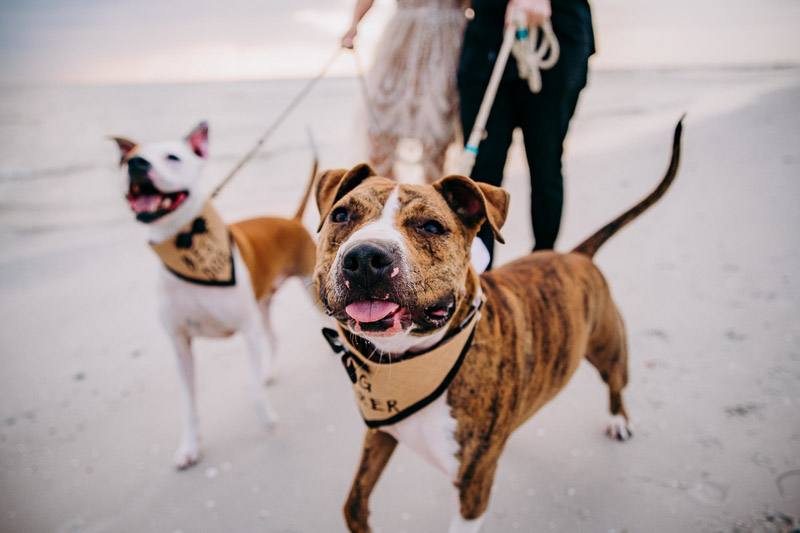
x=706, y=281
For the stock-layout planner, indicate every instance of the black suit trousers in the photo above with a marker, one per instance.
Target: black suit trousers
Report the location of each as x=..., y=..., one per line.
x=544, y=119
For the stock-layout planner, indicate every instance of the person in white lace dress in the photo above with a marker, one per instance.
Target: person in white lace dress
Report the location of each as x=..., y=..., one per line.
x=411, y=86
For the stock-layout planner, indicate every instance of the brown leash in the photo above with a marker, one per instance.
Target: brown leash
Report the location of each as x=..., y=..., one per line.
x=285, y=113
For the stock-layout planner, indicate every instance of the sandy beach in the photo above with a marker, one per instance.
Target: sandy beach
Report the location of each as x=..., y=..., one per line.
x=706, y=281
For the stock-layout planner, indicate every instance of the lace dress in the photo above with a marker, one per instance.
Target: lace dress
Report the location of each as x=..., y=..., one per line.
x=412, y=85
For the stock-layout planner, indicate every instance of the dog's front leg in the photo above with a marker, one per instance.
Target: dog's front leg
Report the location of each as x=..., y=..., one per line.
x=258, y=350
x=188, y=452
x=473, y=487
x=378, y=448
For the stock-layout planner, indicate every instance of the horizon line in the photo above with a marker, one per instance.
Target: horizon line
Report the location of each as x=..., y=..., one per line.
x=779, y=65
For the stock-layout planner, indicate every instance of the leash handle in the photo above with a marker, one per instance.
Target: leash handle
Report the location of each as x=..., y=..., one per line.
x=531, y=60
x=549, y=40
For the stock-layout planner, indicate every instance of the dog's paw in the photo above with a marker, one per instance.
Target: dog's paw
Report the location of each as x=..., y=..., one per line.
x=269, y=418
x=619, y=428
x=271, y=424
x=268, y=374
x=186, y=457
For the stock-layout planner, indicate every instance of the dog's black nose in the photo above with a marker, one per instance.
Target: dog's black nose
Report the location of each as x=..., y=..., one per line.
x=138, y=166
x=367, y=263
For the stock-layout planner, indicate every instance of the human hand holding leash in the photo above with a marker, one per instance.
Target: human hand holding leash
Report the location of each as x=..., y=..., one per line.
x=528, y=17
x=361, y=8
x=535, y=11
x=347, y=38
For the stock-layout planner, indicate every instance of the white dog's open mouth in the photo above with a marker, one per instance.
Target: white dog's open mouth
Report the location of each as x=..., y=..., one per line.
x=149, y=203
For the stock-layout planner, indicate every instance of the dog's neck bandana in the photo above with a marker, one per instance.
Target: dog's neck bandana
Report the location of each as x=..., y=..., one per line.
x=387, y=392
x=201, y=251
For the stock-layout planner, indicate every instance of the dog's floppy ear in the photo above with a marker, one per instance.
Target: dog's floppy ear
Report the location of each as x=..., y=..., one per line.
x=126, y=147
x=475, y=202
x=332, y=185
x=198, y=140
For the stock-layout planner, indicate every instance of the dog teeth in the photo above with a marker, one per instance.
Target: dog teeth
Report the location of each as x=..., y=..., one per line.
x=167, y=203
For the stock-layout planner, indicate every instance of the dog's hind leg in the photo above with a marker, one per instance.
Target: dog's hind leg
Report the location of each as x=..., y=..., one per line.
x=188, y=452
x=268, y=363
x=258, y=351
x=608, y=352
x=378, y=448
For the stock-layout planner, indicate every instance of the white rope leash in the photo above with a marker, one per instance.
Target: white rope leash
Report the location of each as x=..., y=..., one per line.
x=530, y=60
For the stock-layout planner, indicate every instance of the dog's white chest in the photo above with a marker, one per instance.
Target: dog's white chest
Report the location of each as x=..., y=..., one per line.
x=207, y=311
x=431, y=434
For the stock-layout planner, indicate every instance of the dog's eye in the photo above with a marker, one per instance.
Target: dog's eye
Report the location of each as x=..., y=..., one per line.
x=173, y=157
x=340, y=215
x=432, y=227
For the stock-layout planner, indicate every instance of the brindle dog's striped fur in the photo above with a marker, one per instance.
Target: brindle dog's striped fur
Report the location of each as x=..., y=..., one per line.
x=543, y=314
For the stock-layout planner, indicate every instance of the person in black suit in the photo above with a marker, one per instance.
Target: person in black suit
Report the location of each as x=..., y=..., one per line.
x=543, y=117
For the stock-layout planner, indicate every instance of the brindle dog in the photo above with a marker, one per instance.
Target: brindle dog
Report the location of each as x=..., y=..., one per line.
x=393, y=270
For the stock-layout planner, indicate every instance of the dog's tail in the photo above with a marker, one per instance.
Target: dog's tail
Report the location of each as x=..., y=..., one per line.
x=304, y=201
x=592, y=244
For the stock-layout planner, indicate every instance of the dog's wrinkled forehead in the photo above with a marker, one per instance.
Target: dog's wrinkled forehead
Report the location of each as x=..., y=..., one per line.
x=416, y=217
x=367, y=202
x=166, y=152
x=359, y=207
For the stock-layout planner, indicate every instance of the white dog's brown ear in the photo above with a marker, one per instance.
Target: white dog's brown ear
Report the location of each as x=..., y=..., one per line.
x=475, y=202
x=198, y=140
x=126, y=148
x=332, y=185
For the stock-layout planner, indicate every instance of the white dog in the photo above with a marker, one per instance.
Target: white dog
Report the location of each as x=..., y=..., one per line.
x=216, y=279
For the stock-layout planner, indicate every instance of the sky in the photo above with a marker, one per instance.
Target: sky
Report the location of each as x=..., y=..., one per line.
x=144, y=41
x=174, y=40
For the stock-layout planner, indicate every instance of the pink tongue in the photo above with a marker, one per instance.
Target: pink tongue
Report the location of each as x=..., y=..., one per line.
x=145, y=203
x=371, y=310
